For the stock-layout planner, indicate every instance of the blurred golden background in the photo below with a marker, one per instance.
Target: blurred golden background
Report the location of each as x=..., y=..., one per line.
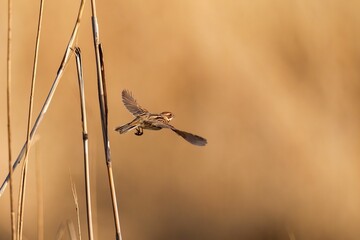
x=273, y=86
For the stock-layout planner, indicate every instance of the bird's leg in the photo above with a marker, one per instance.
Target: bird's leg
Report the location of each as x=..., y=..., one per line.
x=139, y=131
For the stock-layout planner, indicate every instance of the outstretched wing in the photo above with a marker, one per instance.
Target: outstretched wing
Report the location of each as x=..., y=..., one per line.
x=191, y=138
x=131, y=104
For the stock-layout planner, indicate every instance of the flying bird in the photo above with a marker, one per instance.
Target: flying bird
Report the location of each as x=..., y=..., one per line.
x=146, y=120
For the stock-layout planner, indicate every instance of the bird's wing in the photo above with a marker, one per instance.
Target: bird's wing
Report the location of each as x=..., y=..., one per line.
x=191, y=138
x=131, y=104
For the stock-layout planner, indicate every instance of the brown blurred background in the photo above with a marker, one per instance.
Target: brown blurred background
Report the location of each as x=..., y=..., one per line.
x=273, y=86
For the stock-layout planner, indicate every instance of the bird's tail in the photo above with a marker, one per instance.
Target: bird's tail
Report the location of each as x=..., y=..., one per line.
x=191, y=138
x=125, y=128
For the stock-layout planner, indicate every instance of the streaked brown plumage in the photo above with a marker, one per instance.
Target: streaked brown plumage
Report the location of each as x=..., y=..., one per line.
x=146, y=120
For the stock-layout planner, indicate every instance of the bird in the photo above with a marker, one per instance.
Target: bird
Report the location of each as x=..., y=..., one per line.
x=146, y=120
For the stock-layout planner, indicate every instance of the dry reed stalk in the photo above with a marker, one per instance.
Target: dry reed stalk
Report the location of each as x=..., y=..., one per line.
x=71, y=229
x=31, y=104
x=60, y=232
x=19, y=226
x=77, y=209
x=40, y=200
x=8, y=103
x=85, y=142
x=104, y=114
x=50, y=95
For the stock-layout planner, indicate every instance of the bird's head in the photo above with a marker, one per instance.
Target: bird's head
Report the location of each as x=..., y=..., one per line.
x=167, y=116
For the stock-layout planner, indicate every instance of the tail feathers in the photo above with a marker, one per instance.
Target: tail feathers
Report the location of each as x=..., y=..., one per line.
x=191, y=138
x=125, y=128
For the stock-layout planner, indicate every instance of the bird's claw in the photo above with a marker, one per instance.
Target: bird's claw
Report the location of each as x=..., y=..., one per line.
x=139, y=132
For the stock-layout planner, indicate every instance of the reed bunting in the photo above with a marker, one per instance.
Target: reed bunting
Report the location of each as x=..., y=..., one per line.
x=146, y=120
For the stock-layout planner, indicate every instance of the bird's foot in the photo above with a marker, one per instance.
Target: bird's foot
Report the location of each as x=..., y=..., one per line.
x=139, y=132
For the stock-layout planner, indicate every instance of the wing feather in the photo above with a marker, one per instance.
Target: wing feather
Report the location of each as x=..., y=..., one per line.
x=191, y=138
x=131, y=104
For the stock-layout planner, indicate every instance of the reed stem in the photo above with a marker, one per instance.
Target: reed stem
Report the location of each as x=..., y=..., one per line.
x=85, y=142
x=50, y=95
x=8, y=104
x=104, y=114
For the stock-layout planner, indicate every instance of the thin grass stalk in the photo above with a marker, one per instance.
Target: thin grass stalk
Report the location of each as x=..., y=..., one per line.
x=21, y=201
x=31, y=104
x=60, y=232
x=85, y=142
x=50, y=95
x=40, y=199
x=8, y=104
x=77, y=209
x=71, y=230
x=103, y=113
